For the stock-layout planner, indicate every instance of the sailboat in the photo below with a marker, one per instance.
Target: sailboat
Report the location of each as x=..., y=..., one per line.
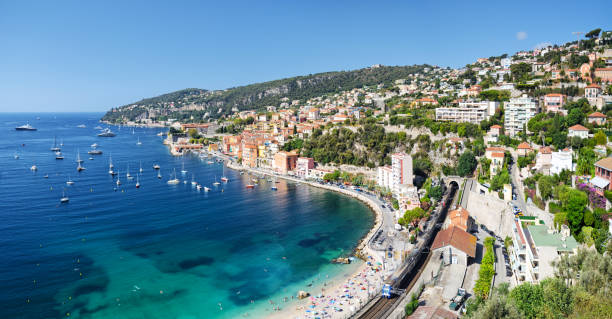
x=193, y=182
x=79, y=160
x=140, y=170
x=138, y=143
x=175, y=180
x=55, y=148
x=183, y=170
x=80, y=168
x=223, y=178
x=118, y=180
x=62, y=142
x=215, y=182
x=110, y=166
x=128, y=175
x=16, y=155
x=59, y=156
x=137, y=181
x=64, y=198
x=34, y=168
x=70, y=182
x=159, y=175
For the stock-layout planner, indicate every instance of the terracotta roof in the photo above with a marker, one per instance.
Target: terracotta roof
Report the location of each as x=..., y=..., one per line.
x=497, y=154
x=524, y=146
x=495, y=149
x=578, y=127
x=457, y=238
x=605, y=163
x=593, y=86
x=603, y=69
x=459, y=218
x=496, y=126
x=597, y=114
x=545, y=150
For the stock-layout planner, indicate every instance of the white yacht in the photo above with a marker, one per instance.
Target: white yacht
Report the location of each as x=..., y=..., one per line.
x=175, y=180
x=64, y=198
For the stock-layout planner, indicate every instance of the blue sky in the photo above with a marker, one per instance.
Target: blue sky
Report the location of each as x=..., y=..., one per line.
x=93, y=55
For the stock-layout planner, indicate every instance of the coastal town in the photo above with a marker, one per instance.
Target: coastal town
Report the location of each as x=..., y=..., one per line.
x=487, y=181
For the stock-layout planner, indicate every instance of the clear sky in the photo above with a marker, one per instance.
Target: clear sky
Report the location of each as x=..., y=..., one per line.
x=93, y=55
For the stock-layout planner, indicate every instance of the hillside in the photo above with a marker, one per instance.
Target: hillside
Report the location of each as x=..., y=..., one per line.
x=196, y=102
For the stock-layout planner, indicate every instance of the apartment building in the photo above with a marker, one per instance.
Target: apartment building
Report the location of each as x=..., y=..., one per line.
x=467, y=112
x=518, y=112
x=385, y=177
x=535, y=246
x=401, y=170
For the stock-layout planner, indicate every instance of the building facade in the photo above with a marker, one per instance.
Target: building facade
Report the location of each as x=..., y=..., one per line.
x=518, y=112
x=401, y=167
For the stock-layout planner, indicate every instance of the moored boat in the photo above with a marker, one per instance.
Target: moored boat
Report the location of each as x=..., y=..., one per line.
x=26, y=127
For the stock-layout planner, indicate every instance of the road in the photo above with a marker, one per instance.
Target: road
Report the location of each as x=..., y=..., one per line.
x=517, y=186
x=414, y=265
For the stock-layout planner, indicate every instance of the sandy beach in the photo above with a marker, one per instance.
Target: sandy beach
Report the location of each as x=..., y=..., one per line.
x=334, y=297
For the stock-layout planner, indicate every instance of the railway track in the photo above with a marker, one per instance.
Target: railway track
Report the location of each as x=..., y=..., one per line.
x=412, y=271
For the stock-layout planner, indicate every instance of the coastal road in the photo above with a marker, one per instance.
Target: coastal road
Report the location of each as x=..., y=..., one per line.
x=414, y=265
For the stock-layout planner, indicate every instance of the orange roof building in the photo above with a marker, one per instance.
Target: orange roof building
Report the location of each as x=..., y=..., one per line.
x=455, y=244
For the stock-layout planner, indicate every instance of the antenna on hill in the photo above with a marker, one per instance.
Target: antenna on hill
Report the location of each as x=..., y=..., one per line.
x=578, y=34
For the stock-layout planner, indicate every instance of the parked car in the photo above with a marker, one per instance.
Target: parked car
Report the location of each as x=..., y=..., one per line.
x=457, y=300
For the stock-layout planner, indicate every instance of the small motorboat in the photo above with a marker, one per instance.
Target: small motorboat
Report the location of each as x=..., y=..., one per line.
x=64, y=199
x=274, y=188
x=156, y=166
x=33, y=168
x=250, y=186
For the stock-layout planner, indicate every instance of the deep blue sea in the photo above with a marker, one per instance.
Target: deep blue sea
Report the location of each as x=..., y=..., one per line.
x=159, y=251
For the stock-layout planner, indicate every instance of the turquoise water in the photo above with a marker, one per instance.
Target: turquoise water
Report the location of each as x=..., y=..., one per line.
x=160, y=251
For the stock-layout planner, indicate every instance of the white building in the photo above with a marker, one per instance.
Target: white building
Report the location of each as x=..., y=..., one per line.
x=578, y=130
x=506, y=62
x=518, y=112
x=561, y=160
x=385, y=177
x=467, y=112
x=401, y=167
x=535, y=247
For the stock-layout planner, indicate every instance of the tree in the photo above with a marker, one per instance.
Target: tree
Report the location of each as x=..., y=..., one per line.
x=467, y=164
x=600, y=138
x=574, y=205
x=528, y=298
x=575, y=116
x=545, y=185
x=593, y=33
x=520, y=71
x=436, y=193
x=412, y=215
x=497, y=307
x=193, y=133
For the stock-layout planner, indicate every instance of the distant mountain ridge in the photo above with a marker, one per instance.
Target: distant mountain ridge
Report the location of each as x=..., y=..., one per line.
x=196, y=103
